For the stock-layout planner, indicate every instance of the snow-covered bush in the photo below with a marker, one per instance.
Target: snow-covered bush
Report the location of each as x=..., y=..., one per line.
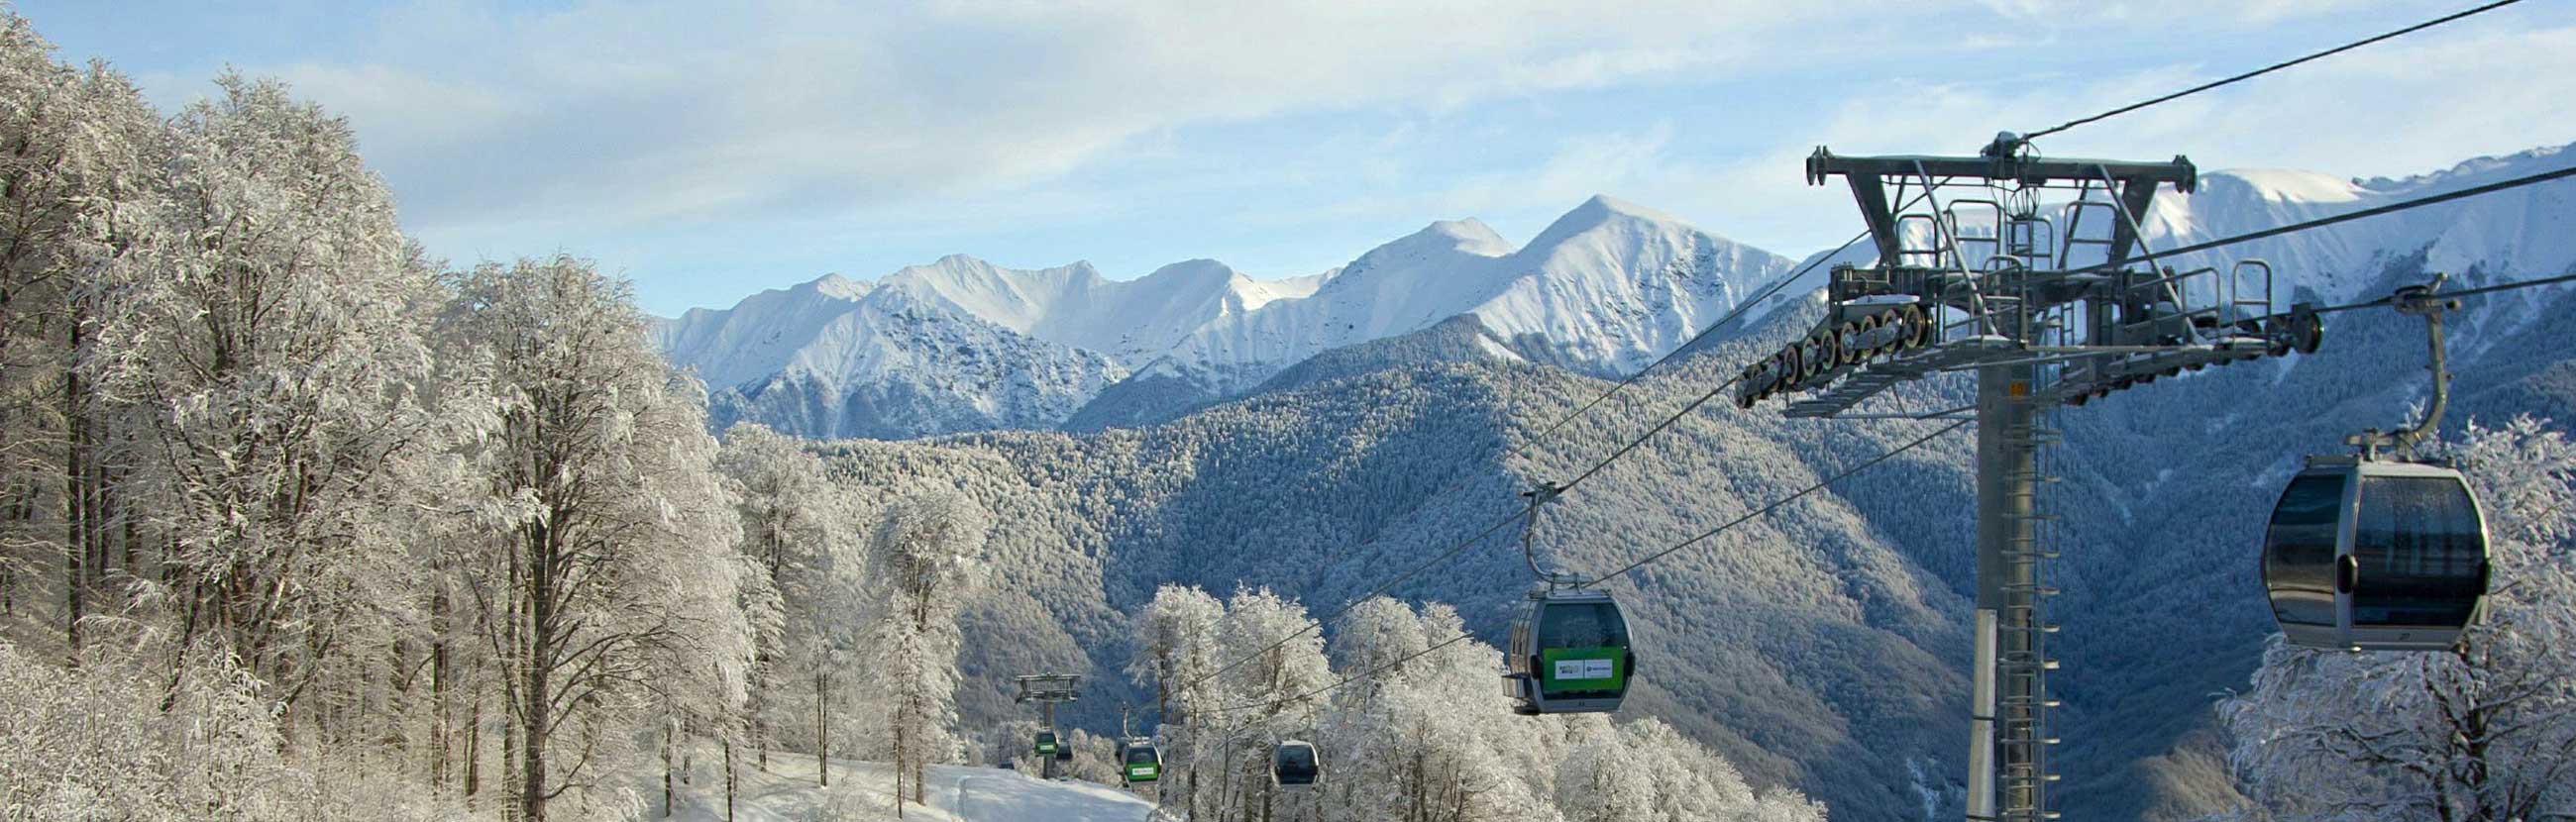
x=97, y=742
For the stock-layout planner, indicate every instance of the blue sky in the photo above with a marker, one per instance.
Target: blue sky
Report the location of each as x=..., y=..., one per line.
x=708, y=153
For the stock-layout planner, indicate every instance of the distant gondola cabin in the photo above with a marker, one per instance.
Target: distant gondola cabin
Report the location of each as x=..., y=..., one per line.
x=1294, y=765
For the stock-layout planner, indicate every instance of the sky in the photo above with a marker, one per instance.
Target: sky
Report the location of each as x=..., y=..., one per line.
x=710, y=151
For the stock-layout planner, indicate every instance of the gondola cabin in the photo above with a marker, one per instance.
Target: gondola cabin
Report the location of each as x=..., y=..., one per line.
x=1141, y=762
x=1570, y=654
x=1294, y=766
x=2375, y=555
x=1046, y=743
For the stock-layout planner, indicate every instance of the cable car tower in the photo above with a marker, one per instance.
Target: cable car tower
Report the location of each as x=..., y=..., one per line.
x=1047, y=690
x=2032, y=273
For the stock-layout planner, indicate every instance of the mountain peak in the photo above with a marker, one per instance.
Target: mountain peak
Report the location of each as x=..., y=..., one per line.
x=1193, y=271
x=1608, y=205
x=836, y=286
x=1601, y=211
x=1470, y=235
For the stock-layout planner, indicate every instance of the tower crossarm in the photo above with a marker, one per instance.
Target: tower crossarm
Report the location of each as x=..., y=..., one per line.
x=2009, y=256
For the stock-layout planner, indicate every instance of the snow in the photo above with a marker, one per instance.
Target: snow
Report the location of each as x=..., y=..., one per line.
x=2514, y=233
x=1609, y=286
x=957, y=793
x=2284, y=186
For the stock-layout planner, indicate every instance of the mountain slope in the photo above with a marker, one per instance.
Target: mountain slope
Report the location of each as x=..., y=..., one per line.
x=1605, y=288
x=837, y=359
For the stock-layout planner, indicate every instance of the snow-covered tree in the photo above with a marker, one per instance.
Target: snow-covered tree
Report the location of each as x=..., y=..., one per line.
x=265, y=340
x=1274, y=672
x=2484, y=731
x=1177, y=655
x=924, y=565
x=609, y=579
x=1429, y=718
x=801, y=532
x=80, y=153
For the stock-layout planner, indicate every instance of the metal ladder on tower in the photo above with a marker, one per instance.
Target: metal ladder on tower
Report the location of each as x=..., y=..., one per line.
x=2022, y=662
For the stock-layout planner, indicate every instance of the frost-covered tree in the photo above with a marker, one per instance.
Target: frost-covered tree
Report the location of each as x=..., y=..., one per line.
x=800, y=532
x=266, y=342
x=1177, y=655
x=78, y=151
x=2484, y=731
x=608, y=577
x=1272, y=680
x=1429, y=719
x=924, y=565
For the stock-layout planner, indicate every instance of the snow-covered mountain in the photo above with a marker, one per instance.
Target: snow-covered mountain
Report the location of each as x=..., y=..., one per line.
x=931, y=349
x=2526, y=231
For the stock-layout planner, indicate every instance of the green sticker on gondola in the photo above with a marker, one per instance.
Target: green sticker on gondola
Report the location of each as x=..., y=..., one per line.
x=1583, y=670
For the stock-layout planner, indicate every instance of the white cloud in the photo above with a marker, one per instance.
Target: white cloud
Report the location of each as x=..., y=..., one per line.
x=789, y=132
x=653, y=113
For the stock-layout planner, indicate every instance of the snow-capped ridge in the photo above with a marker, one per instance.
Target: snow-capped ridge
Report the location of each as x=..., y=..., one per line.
x=2283, y=185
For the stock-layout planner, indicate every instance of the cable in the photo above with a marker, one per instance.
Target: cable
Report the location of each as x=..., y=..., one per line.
x=1596, y=468
x=1819, y=485
x=1642, y=562
x=2268, y=69
x=1756, y=298
x=1775, y=504
x=2374, y=211
x=1389, y=665
x=2511, y=286
x=1469, y=542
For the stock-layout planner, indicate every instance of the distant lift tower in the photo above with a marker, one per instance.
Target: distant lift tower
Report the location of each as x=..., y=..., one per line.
x=2032, y=273
x=1047, y=690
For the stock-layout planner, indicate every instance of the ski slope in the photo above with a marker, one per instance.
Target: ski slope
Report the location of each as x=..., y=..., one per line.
x=957, y=793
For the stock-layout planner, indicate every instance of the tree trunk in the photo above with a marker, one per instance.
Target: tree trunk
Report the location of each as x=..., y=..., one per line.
x=441, y=722
x=902, y=749
x=759, y=705
x=667, y=741
x=822, y=737
x=75, y=497
x=474, y=748
x=536, y=694
x=729, y=768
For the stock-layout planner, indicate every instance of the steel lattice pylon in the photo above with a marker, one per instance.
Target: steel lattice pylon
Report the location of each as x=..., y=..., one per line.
x=2036, y=279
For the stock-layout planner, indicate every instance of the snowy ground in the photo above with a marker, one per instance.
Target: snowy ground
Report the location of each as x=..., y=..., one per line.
x=786, y=793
